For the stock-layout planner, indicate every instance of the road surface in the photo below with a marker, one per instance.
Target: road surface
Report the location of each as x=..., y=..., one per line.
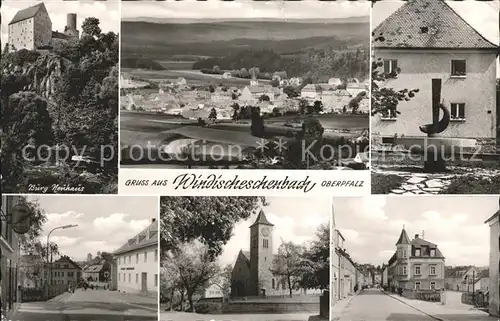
x=178, y=316
x=374, y=305
x=90, y=305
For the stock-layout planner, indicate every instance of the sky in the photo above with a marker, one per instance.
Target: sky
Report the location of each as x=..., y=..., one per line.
x=482, y=16
x=372, y=225
x=245, y=9
x=106, y=11
x=295, y=219
x=104, y=222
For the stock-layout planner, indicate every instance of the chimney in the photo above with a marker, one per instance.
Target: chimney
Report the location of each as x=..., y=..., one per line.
x=416, y=236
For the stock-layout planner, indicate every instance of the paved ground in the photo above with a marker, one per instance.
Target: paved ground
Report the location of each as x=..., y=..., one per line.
x=374, y=305
x=90, y=305
x=179, y=316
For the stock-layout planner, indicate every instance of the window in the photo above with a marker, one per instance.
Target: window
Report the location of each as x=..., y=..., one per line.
x=156, y=280
x=137, y=278
x=417, y=285
x=458, y=67
x=137, y=258
x=433, y=252
x=457, y=111
x=417, y=252
x=273, y=285
x=124, y=277
x=404, y=269
x=433, y=285
x=404, y=254
x=433, y=270
x=417, y=270
x=129, y=278
x=265, y=243
x=156, y=255
x=145, y=257
x=70, y=274
x=390, y=66
x=389, y=114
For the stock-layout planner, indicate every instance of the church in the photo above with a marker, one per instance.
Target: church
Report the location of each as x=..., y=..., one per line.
x=251, y=275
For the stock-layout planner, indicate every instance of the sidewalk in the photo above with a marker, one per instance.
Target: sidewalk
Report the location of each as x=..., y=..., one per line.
x=340, y=305
x=450, y=312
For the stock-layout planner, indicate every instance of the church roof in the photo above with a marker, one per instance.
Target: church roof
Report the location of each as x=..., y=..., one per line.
x=27, y=13
x=262, y=219
x=429, y=24
x=403, y=238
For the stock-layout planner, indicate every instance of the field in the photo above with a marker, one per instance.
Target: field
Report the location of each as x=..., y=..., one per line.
x=193, y=77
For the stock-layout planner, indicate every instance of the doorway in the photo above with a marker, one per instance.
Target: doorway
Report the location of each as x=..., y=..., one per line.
x=144, y=282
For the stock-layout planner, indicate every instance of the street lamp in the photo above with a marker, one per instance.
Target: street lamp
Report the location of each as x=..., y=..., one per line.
x=63, y=227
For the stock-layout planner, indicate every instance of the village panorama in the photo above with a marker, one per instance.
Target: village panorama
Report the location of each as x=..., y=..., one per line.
x=246, y=90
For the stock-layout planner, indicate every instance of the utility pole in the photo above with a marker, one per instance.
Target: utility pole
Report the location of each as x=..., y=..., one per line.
x=473, y=287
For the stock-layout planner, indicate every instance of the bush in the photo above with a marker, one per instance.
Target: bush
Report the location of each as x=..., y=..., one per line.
x=207, y=307
x=384, y=184
x=473, y=185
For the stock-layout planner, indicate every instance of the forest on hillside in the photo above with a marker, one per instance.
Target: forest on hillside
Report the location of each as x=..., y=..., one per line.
x=62, y=98
x=316, y=64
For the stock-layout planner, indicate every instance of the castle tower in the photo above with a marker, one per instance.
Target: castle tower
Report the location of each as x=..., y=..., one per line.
x=70, y=29
x=261, y=255
x=403, y=253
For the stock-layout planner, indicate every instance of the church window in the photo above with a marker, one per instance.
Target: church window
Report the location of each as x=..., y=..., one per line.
x=265, y=243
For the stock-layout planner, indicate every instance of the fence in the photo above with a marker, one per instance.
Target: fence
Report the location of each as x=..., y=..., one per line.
x=478, y=299
x=42, y=293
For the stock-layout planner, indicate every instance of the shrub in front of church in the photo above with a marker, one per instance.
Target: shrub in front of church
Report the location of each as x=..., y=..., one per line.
x=207, y=307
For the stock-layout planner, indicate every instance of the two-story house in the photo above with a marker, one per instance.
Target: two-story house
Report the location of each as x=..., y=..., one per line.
x=426, y=40
x=494, y=277
x=9, y=255
x=416, y=265
x=65, y=271
x=136, y=269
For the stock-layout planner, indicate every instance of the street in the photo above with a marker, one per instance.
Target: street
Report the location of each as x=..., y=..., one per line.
x=95, y=305
x=179, y=316
x=375, y=305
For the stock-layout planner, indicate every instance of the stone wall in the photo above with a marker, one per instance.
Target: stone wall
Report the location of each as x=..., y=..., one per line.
x=272, y=307
x=42, y=29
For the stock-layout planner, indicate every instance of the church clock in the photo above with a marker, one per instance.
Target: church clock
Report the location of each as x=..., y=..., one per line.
x=265, y=231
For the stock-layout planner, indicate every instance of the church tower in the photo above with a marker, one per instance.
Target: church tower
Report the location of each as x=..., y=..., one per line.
x=254, y=81
x=261, y=255
x=403, y=255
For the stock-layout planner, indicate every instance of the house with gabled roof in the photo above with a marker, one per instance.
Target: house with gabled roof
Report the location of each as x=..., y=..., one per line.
x=136, y=269
x=416, y=265
x=425, y=40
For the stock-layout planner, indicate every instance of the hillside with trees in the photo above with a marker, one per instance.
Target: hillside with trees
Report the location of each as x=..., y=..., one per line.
x=64, y=98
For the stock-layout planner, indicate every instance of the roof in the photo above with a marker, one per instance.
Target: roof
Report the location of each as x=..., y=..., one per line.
x=147, y=237
x=67, y=259
x=428, y=24
x=60, y=35
x=421, y=243
x=93, y=268
x=27, y=13
x=403, y=238
x=493, y=217
x=262, y=219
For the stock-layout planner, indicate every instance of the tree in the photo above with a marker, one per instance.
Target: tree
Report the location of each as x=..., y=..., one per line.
x=90, y=27
x=385, y=100
x=257, y=127
x=291, y=92
x=236, y=108
x=193, y=264
x=207, y=219
x=29, y=241
x=223, y=281
x=213, y=114
x=303, y=106
x=274, y=82
x=318, y=106
x=288, y=263
x=211, y=89
x=216, y=69
x=316, y=261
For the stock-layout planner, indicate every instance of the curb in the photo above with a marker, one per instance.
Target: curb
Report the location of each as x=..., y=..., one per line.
x=411, y=306
x=336, y=318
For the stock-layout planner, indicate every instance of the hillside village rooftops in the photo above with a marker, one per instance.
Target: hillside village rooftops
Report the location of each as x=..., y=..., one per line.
x=27, y=13
x=429, y=24
x=146, y=238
